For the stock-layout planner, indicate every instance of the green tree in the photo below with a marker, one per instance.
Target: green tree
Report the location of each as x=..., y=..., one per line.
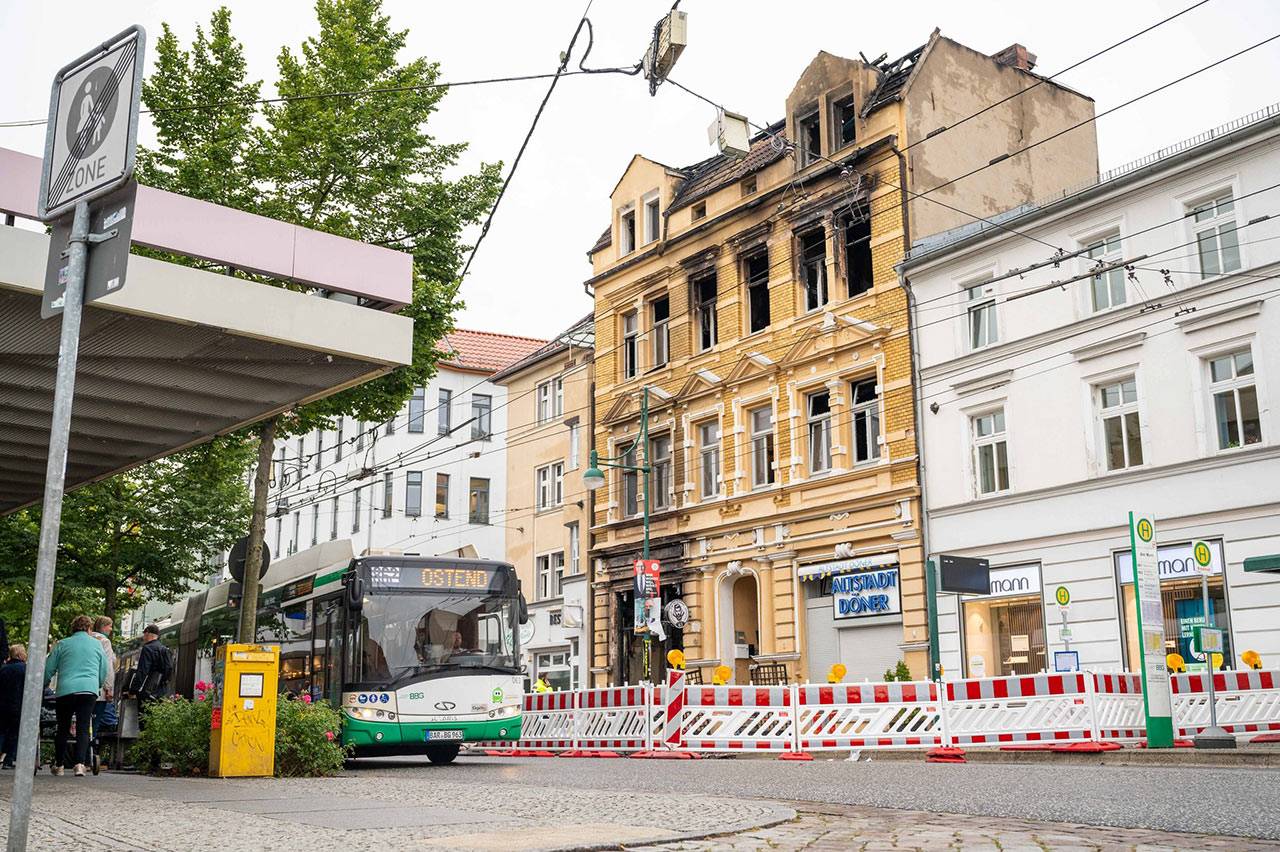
x=143, y=534
x=361, y=166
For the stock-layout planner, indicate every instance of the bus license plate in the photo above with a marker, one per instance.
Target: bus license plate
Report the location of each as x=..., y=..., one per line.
x=442, y=735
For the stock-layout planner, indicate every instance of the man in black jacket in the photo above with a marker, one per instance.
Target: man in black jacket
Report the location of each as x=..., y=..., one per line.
x=12, y=678
x=155, y=667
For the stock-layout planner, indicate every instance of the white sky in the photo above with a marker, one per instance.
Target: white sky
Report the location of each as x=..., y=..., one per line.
x=745, y=54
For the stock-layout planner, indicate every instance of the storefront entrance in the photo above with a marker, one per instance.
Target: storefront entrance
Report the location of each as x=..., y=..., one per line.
x=1182, y=596
x=1004, y=631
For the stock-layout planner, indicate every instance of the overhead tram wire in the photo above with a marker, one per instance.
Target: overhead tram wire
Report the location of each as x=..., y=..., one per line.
x=353, y=93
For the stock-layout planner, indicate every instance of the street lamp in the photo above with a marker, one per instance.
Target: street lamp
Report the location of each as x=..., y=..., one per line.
x=593, y=479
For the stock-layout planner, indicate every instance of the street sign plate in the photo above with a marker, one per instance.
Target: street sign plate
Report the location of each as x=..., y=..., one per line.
x=1156, y=696
x=1206, y=640
x=964, y=575
x=1202, y=556
x=108, y=261
x=93, y=124
x=1063, y=596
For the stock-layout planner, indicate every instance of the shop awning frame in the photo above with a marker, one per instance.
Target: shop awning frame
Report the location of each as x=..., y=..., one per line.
x=822, y=570
x=1263, y=564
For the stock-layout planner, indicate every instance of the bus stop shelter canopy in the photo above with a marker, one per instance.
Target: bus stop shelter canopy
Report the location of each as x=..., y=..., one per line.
x=176, y=356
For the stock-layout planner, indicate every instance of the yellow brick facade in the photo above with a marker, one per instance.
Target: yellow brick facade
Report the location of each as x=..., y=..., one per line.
x=735, y=552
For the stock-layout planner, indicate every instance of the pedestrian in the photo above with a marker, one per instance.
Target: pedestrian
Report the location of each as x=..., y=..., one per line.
x=104, y=711
x=541, y=685
x=81, y=667
x=13, y=675
x=154, y=668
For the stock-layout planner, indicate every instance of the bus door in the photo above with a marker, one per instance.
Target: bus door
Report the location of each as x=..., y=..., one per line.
x=326, y=651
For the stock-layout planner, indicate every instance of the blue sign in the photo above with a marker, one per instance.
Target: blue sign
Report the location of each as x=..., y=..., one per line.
x=362, y=698
x=384, y=698
x=869, y=593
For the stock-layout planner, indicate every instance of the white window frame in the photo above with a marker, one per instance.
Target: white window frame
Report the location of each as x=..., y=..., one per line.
x=652, y=227
x=550, y=399
x=763, y=440
x=1105, y=247
x=709, y=310
x=549, y=485
x=575, y=446
x=661, y=331
x=630, y=344
x=627, y=245
x=444, y=411
x=481, y=416
x=410, y=509
x=550, y=574
x=709, y=460
x=818, y=426
x=998, y=441
x=1216, y=223
x=1120, y=411
x=823, y=293
x=980, y=308
x=1233, y=386
x=574, y=566
x=661, y=472
x=874, y=421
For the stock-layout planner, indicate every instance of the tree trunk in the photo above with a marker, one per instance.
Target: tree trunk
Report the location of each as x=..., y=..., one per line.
x=109, y=599
x=257, y=529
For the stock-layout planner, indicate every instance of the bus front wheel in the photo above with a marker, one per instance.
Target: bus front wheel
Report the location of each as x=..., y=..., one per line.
x=442, y=754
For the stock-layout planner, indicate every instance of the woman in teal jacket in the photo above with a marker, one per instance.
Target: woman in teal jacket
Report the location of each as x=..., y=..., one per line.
x=81, y=667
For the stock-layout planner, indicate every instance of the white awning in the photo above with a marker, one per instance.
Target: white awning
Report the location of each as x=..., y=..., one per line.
x=846, y=566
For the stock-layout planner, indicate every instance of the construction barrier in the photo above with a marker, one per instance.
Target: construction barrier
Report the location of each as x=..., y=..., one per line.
x=1246, y=702
x=739, y=718
x=870, y=715
x=613, y=718
x=1118, y=711
x=1075, y=710
x=548, y=720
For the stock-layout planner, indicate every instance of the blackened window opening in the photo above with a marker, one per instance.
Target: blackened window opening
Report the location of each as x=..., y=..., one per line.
x=857, y=255
x=813, y=268
x=757, y=275
x=705, y=294
x=846, y=120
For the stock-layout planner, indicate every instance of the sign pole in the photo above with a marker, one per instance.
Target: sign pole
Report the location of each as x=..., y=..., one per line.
x=1156, y=699
x=1213, y=736
x=50, y=526
x=931, y=603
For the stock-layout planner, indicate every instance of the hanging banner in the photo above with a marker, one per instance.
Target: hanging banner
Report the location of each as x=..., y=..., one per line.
x=1150, y=609
x=646, y=592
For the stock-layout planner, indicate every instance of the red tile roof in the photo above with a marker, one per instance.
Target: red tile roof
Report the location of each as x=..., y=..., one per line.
x=485, y=351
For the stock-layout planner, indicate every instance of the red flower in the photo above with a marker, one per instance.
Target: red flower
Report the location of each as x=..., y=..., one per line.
x=306, y=699
x=329, y=734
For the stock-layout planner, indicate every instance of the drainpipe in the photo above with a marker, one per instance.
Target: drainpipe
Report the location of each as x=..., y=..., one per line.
x=917, y=404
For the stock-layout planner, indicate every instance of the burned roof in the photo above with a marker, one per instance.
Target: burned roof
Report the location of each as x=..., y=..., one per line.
x=711, y=174
x=893, y=76
x=581, y=334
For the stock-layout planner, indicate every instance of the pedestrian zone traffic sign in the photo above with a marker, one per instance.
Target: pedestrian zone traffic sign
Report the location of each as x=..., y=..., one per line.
x=93, y=124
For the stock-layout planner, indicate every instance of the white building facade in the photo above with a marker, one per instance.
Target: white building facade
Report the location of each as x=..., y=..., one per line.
x=1048, y=413
x=431, y=481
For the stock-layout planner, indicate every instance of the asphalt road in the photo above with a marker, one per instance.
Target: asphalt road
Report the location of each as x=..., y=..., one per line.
x=1244, y=802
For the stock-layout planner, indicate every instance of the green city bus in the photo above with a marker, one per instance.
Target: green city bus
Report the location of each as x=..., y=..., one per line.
x=420, y=653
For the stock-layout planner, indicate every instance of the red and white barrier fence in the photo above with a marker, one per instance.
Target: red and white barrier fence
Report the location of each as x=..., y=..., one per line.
x=1247, y=702
x=868, y=715
x=1063, y=709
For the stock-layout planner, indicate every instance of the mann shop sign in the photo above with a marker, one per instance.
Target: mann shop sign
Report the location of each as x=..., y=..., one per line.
x=1015, y=580
x=866, y=594
x=1175, y=562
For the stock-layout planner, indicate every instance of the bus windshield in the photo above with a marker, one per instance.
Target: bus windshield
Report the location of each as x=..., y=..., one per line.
x=421, y=633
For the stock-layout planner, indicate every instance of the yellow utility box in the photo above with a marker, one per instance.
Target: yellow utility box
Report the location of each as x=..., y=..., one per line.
x=243, y=740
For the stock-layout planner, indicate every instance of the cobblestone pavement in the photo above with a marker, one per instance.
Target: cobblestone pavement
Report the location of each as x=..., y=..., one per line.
x=421, y=808
x=883, y=828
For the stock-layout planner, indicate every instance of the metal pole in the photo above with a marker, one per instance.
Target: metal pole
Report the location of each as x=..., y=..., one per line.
x=1208, y=655
x=368, y=541
x=644, y=447
x=50, y=526
x=931, y=604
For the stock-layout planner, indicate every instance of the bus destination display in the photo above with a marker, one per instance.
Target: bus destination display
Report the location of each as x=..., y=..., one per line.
x=431, y=577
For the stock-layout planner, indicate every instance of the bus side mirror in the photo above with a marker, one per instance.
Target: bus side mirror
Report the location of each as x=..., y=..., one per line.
x=355, y=593
x=524, y=610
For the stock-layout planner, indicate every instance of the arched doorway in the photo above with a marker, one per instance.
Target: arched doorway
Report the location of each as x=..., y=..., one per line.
x=738, y=613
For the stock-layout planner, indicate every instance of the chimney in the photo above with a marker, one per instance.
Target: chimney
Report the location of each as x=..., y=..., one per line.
x=1016, y=56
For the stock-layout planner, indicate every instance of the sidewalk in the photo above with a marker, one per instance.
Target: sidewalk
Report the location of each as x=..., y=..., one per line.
x=356, y=810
